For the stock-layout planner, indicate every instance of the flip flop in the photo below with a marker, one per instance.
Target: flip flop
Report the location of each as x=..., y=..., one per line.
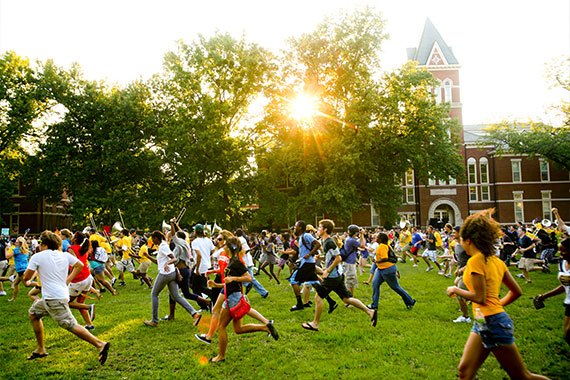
x=197, y=320
x=211, y=360
x=308, y=326
x=35, y=355
x=374, y=318
x=103, y=354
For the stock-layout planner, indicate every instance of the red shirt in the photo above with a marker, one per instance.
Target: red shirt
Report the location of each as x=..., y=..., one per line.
x=85, y=271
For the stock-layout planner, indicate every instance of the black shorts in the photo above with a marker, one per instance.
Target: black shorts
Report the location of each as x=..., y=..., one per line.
x=567, y=312
x=21, y=274
x=333, y=285
x=305, y=273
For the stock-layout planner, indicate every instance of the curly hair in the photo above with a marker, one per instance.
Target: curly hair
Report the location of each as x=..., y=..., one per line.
x=482, y=230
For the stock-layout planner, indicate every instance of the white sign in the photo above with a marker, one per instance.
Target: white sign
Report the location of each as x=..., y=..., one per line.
x=443, y=192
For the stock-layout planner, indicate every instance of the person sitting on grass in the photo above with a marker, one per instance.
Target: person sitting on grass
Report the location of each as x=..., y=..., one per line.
x=234, y=275
x=493, y=329
x=333, y=279
x=52, y=267
x=564, y=278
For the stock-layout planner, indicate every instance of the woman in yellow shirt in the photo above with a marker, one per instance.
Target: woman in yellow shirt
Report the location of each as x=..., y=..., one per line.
x=484, y=274
x=386, y=271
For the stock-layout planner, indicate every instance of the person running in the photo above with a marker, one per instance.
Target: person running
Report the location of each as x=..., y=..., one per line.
x=493, y=329
x=270, y=258
x=52, y=267
x=528, y=261
x=405, y=243
x=126, y=262
x=416, y=245
x=97, y=261
x=430, y=252
x=166, y=277
x=461, y=257
x=333, y=279
x=234, y=275
x=82, y=284
x=387, y=271
x=564, y=278
x=248, y=260
x=353, y=242
x=21, y=254
x=203, y=249
x=308, y=247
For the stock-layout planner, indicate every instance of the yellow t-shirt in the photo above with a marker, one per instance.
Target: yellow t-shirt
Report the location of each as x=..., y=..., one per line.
x=11, y=259
x=438, y=242
x=493, y=269
x=382, y=253
x=124, y=244
x=99, y=238
x=405, y=238
x=142, y=252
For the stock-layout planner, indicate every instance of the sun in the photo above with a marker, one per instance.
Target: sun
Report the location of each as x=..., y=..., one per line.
x=303, y=107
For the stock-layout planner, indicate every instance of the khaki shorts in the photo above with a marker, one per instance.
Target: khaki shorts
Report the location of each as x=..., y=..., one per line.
x=125, y=266
x=350, y=275
x=57, y=309
x=461, y=285
x=76, y=288
x=3, y=266
x=143, y=267
x=527, y=264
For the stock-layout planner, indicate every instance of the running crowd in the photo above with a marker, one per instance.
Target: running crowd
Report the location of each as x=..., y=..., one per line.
x=216, y=268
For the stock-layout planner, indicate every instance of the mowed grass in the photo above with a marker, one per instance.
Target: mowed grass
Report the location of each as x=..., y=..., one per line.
x=422, y=343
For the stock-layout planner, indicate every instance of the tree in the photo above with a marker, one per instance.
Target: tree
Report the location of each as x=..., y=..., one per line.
x=534, y=138
x=367, y=133
x=201, y=99
x=98, y=149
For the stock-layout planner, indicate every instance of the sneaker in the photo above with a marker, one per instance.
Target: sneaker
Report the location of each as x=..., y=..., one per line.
x=2, y=293
x=297, y=307
x=272, y=330
x=12, y=278
x=92, y=312
x=520, y=275
x=440, y=272
x=202, y=338
x=415, y=265
x=102, y=290
x=371, y=307
x=92, y=327
x=410, y=306
x=462, y=319
x=545, y=269
x=122, y=283
x=428, y=269
x=165, y=318
x=113, y=280
x=447, y=275
x=265, y=295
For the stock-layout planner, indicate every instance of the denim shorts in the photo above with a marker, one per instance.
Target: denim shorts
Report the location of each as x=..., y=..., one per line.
x=233, y=300
x=499, y=331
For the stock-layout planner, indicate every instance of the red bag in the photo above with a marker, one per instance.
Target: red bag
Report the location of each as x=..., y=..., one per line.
x=239, y=310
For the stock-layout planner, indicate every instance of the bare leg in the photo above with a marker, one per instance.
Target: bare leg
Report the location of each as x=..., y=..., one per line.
x=80, y=332
x=474, y=354
x=510, y=359
x=16, y=286
x=358, y=304
x=216, y=311
x=273, y=273
x=306, y=293
x=223, y=335
x=249, y=328
x=567, y=329
x=38, y=327
x=257, y=315
x=318, y=311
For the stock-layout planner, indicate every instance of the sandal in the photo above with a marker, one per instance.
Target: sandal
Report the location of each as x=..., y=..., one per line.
x=308, y=326
x=35, y=355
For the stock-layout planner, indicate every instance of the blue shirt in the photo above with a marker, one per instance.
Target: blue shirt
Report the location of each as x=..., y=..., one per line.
x=415, y=238
x=305, y=245
x=351, y=248
x=65, y=243
x=20, y=260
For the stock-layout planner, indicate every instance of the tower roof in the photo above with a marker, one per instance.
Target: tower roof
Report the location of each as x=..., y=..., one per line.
x=432, y=49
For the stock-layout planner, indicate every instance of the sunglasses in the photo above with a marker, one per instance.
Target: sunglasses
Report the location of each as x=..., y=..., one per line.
x=220, y=239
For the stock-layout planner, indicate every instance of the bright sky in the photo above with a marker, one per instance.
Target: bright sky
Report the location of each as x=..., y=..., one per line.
x=503, y=45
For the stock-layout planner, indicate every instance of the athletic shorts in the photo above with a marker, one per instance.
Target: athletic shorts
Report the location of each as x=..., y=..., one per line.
x=415, y=251
x=83, y=286
x=125, y=266
x=527, y=264
x=499, y=332
x=143, y=267
x=350, y=273
x=432, y=255
x=98, y=270
x=57, y=309
x=567, y=311
x=333, y=285
x=305, y=273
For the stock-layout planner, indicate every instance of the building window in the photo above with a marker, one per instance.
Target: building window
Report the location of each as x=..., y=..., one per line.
x=516, y=169
x=437, y=92
x=410, y=177
x=519, y=209
x=447, y=90
x=410, y=196
x=546, y=205
x=472, y=193
x=544, y=171
x=471, y=170
x=485, y=193
x=484, y=170
x=431, y=182
x=452, y=181
x=15, y=220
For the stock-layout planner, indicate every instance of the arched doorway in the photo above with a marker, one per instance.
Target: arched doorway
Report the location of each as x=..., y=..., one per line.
x=444, y=211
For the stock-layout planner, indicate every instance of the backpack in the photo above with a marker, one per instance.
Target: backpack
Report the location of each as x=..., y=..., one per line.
x=391, y=255
x=101, y=255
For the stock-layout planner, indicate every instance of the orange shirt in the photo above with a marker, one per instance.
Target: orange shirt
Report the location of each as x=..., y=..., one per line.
x=493, y=269
x=382, y=253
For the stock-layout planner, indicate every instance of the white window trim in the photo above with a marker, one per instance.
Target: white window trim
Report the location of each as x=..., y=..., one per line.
x=488, y=192
x=515, y=205
x=483, y=160
x=476, y=193
x=447, y=90
x=541, y=161
x=472, y=161
x=520, y=170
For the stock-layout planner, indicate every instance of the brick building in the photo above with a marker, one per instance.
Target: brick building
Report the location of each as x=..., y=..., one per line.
x=519, y=188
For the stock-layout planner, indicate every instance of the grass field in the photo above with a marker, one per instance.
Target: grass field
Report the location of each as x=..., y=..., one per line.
x=422, y=343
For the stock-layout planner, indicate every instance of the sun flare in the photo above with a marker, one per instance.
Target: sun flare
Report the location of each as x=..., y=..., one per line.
x=303, y=107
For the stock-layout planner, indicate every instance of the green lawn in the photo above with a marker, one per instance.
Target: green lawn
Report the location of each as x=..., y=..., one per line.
x=419, y=344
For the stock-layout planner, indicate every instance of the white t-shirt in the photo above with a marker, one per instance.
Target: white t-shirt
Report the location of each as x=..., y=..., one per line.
x=205, y=246
x=162, y=258
x=247, y=258
x=52, y=267
x=564, y=278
